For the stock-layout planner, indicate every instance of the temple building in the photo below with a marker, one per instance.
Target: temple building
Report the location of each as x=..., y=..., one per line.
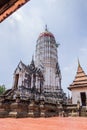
x=79, y=87
x=36, y=90
x=38, y=85
x=44, y=73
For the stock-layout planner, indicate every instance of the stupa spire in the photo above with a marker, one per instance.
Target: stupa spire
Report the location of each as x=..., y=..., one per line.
x=46, y=29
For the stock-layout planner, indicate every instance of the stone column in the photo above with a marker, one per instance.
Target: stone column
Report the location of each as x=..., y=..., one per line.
x=60, y=109
x=78, y=108
x=32, y=81
x=42, y=109
x=36, y=81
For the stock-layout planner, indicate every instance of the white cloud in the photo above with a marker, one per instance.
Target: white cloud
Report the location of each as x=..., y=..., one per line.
x=84, y=50
x=51, y=2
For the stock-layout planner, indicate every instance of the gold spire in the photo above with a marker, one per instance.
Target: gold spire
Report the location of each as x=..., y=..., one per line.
x=78, y=62
x=79, y=70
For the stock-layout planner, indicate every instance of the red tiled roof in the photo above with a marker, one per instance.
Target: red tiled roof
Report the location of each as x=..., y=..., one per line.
x=46, y=34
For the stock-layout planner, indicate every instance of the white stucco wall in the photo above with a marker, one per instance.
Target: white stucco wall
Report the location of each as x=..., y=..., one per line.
x=76, y=95
x=50, y=77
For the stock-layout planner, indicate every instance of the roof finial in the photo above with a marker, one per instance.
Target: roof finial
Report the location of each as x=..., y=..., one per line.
x=32, y=61
x=33, y=57
x=78, y=62
x=46, y=29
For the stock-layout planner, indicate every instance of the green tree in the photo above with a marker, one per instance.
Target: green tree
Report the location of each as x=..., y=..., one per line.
x=2, y=89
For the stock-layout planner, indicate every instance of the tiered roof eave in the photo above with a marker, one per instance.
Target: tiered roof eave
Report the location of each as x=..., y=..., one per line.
x=7, y=7
x=80, y=80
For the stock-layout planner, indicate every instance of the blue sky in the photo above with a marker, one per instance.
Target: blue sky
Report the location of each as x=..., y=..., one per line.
x=66, y=19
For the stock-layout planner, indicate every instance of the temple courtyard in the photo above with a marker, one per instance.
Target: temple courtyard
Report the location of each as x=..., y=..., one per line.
x=54, y=123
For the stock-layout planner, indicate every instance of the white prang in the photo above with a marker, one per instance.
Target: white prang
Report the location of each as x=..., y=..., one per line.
x=46, y=58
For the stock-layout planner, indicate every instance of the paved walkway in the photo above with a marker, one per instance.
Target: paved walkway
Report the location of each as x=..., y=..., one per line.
x=55, y=123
